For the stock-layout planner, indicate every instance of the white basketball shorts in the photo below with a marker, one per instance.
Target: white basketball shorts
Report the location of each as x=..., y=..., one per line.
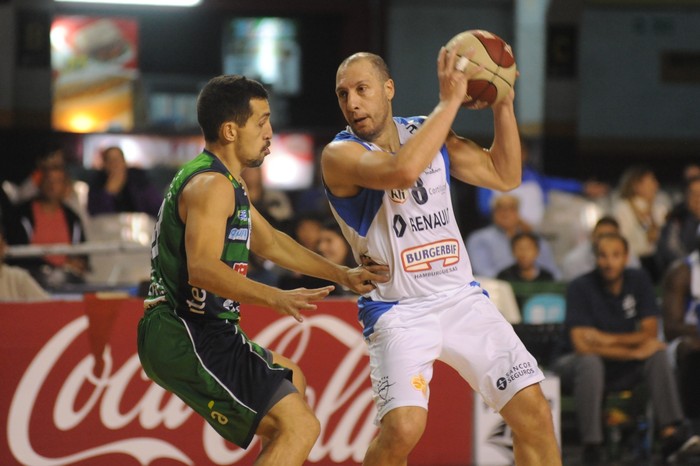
x=462, y=328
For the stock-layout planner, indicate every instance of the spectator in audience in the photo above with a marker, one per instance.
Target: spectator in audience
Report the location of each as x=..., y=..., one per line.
x=641, y=212
x=119, y=188
x=16, y=284
x=48, y=220
x=534, y=189
x=525, y=247
x=677, y=238
x=307, y=230
x=29, y=188
x=612, y=324
x=489, y=247
x=274, y=204
x=581, y=259
x=681, y=317
x=333, y=246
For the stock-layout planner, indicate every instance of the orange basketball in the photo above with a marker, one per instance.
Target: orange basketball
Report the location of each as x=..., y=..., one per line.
x=495, y=81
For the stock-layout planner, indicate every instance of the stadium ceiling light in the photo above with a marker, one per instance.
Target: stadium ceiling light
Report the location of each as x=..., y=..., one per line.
x=139, y=2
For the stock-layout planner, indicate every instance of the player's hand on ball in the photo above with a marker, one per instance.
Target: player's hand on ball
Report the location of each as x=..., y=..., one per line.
x=291, y=302
x=453, y=75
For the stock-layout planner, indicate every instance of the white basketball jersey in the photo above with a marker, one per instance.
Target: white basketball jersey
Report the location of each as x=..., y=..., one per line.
x=414, y=230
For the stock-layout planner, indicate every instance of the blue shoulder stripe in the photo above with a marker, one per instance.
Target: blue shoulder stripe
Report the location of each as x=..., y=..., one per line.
x=358, y=211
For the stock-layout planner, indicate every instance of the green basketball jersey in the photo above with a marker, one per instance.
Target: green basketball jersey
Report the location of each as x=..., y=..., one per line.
x=169, y=277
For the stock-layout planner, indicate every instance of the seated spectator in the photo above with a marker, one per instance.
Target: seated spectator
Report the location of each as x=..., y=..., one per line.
x=16, y=284
x=48, y=220
x=612, y=324
x=677, y=238
x=29, y=188
x=525, y=247
x=581, y=259
x=119, y=188
x=641, y=212
x=534, y=190
x=681, y=317
x=489, y=247
x=307, y=230
x=333, y=246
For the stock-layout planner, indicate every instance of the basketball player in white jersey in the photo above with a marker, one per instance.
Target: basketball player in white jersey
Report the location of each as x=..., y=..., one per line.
x=387, y=180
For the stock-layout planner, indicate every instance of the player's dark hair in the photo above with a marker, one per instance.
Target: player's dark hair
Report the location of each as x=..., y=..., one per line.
x=615, y=236
x=226, y=98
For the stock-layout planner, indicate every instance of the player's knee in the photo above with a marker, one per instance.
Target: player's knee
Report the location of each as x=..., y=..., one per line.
x=403, y=429
x=307, y=428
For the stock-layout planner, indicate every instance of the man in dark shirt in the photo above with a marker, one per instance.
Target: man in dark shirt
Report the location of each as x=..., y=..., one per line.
x=612, y=324
x=120, y=188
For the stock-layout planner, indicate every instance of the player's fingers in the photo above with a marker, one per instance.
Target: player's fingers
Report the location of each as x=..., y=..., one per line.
x=376, y=277
x=318, y=293
x=292, y=309
x=441, y=58
x=377, y=268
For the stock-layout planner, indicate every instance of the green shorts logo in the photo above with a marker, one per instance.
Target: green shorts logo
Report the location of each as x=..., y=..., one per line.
x=217, y=416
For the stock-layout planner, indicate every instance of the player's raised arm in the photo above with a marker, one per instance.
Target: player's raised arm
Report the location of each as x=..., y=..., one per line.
x=500, y=166
x=364, y=92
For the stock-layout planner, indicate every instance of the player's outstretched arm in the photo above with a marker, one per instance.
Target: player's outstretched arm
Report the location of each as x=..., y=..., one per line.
x=281, y=249
x=204, y=222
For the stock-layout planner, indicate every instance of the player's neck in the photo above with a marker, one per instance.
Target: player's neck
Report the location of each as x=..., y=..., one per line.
x=389, y=140
x=227, y=157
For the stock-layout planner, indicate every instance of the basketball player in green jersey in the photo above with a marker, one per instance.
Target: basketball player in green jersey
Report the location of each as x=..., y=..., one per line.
x=189, y=339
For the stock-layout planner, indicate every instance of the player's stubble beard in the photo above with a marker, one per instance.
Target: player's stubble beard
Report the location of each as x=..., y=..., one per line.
x=373, y=132
x=255, y=163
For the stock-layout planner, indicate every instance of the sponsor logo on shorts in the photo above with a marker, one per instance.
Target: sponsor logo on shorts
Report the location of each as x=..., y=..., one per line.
x=419, y=258
x=419, y=383
x=198, y=301
x=217, y=416
x=382, y=391
x=243, y=215
x=522, y=369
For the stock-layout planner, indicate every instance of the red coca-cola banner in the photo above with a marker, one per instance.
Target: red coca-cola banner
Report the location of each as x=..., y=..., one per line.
x=60, y=407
